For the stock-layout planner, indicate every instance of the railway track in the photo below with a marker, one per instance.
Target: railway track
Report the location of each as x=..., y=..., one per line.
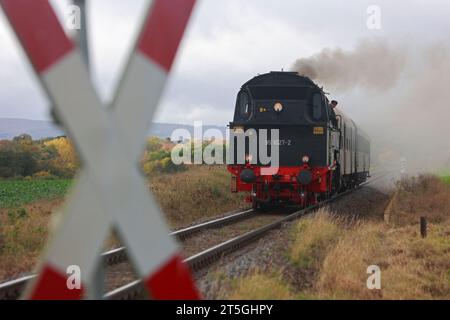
x=133, y=290
x=11, y=290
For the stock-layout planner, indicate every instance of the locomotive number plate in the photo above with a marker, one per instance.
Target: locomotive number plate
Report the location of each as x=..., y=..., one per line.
x=281, y=142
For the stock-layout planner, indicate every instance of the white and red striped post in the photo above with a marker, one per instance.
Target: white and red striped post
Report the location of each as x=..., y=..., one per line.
x=110, y=190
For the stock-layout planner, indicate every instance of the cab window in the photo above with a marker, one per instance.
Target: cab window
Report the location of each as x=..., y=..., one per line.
x=317, y=106
x=243, y=105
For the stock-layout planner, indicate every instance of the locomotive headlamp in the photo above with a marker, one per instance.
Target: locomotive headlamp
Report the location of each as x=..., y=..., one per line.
x=248, y=158
x=248, y=176
x=304, y=177
x=305, y=159
x=278, y=107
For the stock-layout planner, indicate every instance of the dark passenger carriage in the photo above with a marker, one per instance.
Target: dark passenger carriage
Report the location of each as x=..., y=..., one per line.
x=319, y=153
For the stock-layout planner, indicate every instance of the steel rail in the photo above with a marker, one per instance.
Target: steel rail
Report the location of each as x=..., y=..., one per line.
x=12, y=289
x=118, y=255
x=135, y=289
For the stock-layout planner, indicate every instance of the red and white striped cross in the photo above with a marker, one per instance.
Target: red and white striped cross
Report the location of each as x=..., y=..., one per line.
x=110, y=190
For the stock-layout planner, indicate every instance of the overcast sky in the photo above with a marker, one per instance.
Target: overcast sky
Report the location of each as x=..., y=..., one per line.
x=227, y=43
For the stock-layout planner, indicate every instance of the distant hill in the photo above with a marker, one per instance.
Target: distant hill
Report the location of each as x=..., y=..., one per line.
x=165, y=130
x=39, y=129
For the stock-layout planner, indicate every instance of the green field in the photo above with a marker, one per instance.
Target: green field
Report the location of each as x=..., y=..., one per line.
x=446, y=179
x=445, y=176
x=15, y=193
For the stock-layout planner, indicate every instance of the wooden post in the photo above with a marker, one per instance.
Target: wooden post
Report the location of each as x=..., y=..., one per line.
x=423, y=227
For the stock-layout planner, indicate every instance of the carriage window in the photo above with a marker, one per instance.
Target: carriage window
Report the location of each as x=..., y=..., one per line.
x=317, y=106
x=244, y=105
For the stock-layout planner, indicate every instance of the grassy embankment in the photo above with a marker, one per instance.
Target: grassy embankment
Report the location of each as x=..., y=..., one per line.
x=27, y=208
x=334, y=255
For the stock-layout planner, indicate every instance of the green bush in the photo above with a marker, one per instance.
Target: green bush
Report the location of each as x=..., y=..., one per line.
x=43, y=175
x=158, y=155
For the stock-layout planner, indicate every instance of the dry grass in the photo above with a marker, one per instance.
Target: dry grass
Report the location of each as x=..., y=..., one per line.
x=200, y=191
x=260, y=286
x=337, y=254
x=23, y=232
x=411, y=267
x=424, y=195
x=313, y=237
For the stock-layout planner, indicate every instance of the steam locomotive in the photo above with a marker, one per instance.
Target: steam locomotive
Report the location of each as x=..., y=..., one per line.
x=320, y=151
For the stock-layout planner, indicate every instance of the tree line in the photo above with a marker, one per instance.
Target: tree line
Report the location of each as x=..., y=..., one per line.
x=23, y=157
x=47, y=158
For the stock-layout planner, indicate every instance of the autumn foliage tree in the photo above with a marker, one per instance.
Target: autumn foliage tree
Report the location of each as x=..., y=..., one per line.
x=66, y=162
x=23, y=157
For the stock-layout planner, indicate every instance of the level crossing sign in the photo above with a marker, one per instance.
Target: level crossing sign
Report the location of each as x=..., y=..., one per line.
x=110, y=191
